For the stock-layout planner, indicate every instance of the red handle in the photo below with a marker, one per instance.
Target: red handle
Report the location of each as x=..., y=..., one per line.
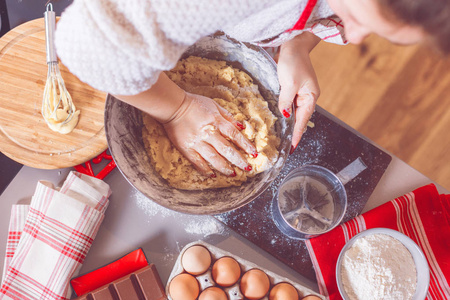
x=86, y=168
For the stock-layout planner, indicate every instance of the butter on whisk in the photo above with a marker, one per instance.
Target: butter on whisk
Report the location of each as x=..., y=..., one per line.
x=58, y=110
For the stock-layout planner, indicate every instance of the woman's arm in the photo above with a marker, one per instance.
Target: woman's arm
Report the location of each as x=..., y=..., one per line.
x=298, y=81
x=161, y=101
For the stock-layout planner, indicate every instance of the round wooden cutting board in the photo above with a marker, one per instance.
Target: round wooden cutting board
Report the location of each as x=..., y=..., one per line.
x=24, y=135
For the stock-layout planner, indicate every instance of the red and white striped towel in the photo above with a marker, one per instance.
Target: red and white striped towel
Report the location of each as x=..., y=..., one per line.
x=423, y=215
x=49, y=239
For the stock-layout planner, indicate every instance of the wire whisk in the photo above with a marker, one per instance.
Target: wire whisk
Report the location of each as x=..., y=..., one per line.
x=58, y=109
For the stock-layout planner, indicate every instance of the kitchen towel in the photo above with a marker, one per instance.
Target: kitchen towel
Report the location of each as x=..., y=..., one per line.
x=17, y=221
x=423, y=215
x=58, y=231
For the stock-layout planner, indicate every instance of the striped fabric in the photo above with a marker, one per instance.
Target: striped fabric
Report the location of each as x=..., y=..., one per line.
x=16, y=224
x=330, y=30
x=306, y=14
x=58, y=231
x=423, y=215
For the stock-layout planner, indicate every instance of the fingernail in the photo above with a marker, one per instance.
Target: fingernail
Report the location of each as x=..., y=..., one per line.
x=233, y=174
x=255, y=154
x=240, y=125
x=248, y=168
x=286, y=114
x=292, y=150
x=212, y=175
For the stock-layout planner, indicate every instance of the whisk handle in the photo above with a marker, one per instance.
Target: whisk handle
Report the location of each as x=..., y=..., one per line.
x=50, y=25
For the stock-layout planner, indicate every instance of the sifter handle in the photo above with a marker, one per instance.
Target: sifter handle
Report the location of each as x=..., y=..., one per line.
x=50, y=25
x=351, y=171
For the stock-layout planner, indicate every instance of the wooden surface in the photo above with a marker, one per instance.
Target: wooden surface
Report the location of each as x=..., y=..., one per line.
x=24, y=135
x=397, y=96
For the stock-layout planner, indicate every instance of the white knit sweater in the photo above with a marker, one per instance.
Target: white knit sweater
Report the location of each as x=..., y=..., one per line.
x=122, y=46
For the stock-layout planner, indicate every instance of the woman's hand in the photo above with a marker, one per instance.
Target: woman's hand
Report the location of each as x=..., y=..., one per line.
x=202, y=130
x=204, y=133
x=298, y=81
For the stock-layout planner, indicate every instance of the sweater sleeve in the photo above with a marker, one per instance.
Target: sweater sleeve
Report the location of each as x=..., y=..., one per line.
x=121, y=47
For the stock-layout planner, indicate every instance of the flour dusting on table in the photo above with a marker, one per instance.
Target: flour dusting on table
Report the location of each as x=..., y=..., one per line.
x=199, y=225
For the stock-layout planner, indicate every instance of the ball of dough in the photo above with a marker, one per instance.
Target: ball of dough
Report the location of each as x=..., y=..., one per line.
x=233, y=90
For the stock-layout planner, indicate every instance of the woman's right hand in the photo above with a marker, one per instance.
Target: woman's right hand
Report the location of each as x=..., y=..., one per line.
x=204, y=132
x=208, y=135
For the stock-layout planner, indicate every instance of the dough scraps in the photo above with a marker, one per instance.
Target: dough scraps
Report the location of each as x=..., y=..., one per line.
x=232, y=89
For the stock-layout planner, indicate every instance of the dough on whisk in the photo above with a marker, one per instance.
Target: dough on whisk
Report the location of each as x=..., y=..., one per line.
x=58, y=110
x=232, y=89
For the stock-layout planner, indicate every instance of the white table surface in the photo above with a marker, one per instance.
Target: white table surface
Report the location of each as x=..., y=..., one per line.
x=133, y=221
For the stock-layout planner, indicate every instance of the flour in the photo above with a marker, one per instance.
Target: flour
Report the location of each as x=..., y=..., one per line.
x=378, y=267
x=198, y=225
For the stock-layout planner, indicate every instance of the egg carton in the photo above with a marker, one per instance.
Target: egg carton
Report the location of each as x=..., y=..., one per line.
x=205, y=280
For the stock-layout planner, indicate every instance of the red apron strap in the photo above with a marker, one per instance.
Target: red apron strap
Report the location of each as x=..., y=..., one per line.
x=304, y=16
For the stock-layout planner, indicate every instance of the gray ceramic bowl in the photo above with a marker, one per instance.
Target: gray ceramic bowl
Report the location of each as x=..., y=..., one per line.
x=123, y=125
x=420, y=261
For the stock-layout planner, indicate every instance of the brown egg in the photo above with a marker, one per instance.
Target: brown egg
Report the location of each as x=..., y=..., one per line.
x=196, y=260
x=184, y=287
x=311, y=297
x=226, y=271
x=213, y=293
x=255, y=284
x=283, y=291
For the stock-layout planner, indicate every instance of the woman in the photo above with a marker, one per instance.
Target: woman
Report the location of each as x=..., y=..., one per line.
x=122, y=47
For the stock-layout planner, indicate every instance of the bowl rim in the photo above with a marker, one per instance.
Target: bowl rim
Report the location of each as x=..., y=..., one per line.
x=252, y=194
x=423, y=275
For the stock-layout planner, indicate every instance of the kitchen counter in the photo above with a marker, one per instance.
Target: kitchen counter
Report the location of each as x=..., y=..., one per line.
x=133, y=221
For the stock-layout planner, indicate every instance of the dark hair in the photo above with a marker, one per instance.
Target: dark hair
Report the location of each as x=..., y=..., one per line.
x=433, y=16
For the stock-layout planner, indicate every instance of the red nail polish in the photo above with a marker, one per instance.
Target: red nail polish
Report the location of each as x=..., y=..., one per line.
x=240, y=125
x=292, y=150
x=286, y=114
x=248, y=168
x=234, y=174
x=213, y=175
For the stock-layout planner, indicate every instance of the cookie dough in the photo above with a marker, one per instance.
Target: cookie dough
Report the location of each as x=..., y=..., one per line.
x=232, y=89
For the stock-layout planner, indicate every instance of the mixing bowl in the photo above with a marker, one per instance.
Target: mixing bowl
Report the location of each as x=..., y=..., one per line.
x=123, y=126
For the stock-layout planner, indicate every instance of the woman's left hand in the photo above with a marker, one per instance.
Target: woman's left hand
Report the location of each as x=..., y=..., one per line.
x=298, y=81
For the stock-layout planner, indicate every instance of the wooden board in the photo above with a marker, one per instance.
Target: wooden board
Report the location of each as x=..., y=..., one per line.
x=24, y=135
